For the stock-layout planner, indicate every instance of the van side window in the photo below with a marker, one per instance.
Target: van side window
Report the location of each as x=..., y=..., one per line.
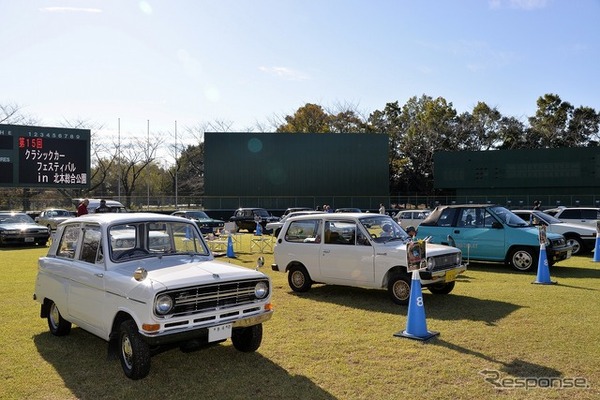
x=340, y=232
x=304, y=231
x=91, y=249
x=68, y=242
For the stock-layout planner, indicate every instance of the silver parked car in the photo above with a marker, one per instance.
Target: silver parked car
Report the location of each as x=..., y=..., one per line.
x=54, y=216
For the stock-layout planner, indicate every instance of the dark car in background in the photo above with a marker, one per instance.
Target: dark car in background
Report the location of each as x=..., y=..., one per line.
x=204, y=222
x=18, y=228
x=247, y=218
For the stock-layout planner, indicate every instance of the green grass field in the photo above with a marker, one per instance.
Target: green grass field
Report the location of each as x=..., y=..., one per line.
x=336, y=343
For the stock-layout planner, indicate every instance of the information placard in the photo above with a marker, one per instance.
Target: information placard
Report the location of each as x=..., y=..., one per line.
x=33, y=156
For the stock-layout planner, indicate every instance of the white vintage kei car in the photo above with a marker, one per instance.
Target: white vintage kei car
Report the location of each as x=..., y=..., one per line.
x=146, y=281
x=362, y=250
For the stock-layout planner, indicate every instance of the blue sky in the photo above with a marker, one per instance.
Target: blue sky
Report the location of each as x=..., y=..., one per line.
x=247, y=61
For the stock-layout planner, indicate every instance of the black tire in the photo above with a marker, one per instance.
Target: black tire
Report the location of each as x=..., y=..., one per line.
x=577, y=243
x=247, y=339
x=442, y=288
x=298, y=279
x=399, y=289
x=523, y=259
x=56, y=323
x=134, y=352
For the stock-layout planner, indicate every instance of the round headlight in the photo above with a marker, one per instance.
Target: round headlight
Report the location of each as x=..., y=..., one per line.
x=261, y=290
x=163, y=304
x=430, y=263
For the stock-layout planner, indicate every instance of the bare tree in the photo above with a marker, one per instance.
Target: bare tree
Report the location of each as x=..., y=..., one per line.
x=132, y=159
x=12, y=114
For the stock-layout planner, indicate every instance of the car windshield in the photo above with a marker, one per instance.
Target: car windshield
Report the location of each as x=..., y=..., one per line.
x=151, y=239
x=262, y=213
x=383, y=228
x=508, y=217
x=546, y=218
x=198, y=215
x=16, y=219
x=62, y=213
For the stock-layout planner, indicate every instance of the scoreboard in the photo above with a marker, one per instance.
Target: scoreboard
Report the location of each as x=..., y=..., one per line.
x=34, y=156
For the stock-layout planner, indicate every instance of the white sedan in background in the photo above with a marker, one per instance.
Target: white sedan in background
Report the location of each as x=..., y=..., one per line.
x=582, y=237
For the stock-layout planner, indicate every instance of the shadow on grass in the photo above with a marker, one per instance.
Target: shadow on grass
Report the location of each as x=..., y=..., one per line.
x=555, y=270
x=452, y=307
x=517, y=367
x=219, y=371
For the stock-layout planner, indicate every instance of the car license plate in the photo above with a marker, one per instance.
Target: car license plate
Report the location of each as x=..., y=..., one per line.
x=29, y=239
x=220, y=332
x=451, y=275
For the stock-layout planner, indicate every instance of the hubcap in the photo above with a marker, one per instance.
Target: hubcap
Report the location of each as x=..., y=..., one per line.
x=575, y=244
x=298, y=278
x=401, y=290
x=54, y=315
x=522, y=260
x=126, y=350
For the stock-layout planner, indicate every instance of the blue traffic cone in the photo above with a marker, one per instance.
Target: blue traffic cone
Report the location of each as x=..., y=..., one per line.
x=258, y=229
x=416, y=326
x=543, y=272
x=230, y=252
x=597, y=248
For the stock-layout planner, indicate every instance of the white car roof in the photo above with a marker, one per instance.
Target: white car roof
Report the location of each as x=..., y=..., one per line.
x=111, y=218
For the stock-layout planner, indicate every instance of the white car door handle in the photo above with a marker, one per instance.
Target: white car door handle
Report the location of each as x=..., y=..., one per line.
x=326, y=251
x=100, y=275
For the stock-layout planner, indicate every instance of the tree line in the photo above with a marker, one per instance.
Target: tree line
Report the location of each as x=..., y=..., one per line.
x=133, y=168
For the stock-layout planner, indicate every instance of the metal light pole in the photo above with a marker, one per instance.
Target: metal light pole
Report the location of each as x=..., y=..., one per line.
x=176, y=201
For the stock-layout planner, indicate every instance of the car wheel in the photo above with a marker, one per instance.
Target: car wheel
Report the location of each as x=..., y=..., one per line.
x=442, y=288
x=523, y=259
x=134, y=351
x=576, y=243
x=247, y=339
x=298, y=279
x=56, y=323
x=399, y=289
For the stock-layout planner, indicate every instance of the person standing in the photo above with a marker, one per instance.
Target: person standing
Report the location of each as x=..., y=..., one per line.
x=102, y=208
x=537, y=205
x=82, y=207
x=412, y=232
x=381, y=208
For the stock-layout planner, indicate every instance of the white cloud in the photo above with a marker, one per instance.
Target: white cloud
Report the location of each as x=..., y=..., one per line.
x=285, y=73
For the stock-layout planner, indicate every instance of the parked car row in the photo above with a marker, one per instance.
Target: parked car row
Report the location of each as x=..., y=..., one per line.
x=144, y=281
